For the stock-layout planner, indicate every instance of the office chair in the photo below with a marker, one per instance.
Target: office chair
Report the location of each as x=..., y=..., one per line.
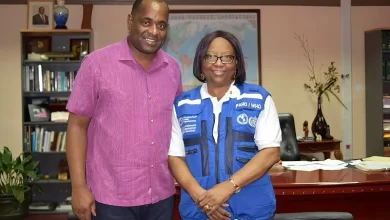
x=289, y=149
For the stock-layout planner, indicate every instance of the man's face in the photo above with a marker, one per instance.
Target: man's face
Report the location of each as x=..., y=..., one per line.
x=148, y=27
x=41, y=10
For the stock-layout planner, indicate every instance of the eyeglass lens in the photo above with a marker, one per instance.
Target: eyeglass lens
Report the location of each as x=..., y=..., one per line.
x=224, y=59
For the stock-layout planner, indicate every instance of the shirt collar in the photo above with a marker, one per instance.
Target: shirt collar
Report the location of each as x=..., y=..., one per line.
x=233, y=92
x=125, y=53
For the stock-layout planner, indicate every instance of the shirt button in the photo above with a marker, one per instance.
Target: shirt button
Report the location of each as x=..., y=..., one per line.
x=151, y=120
x=152, y=142
x=149, y=96
x=151, y=166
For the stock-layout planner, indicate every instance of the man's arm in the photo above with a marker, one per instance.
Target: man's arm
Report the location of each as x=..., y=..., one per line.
x=76, y=148
x=267, y=137
x=81, y=106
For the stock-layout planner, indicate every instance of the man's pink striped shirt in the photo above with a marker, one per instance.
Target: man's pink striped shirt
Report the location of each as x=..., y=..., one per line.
x=131, y=121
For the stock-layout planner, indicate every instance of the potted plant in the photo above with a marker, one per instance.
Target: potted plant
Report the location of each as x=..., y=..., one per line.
x=15, y=187
x=321, y=84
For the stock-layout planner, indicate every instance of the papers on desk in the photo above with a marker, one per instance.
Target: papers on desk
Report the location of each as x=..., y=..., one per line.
x=374, y=163
x=315, y=165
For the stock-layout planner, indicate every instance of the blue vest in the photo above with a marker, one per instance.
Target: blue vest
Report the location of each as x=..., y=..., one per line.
x=214, y=161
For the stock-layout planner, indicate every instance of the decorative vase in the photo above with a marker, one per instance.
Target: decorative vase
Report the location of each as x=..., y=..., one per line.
x=61, y=14
x=319, y=125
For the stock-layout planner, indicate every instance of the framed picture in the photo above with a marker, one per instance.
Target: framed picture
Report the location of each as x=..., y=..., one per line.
x=187, y=27
x=38, y=113
x=40, y=14
x=79, y=48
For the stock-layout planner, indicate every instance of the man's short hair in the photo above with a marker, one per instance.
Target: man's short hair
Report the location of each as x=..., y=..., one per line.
x=137, y=5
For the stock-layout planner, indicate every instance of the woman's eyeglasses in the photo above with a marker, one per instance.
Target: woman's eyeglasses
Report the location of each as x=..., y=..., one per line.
x=226, y=59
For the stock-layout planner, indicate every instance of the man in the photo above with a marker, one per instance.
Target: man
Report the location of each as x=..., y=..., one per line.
x=119, y=126
x=41, y=18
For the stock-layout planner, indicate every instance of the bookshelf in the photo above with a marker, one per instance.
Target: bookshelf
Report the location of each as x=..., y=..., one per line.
x=377, y=84
x=50, y=60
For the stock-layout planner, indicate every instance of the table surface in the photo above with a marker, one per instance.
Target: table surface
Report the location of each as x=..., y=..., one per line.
x=349, y=176
x=319, y=142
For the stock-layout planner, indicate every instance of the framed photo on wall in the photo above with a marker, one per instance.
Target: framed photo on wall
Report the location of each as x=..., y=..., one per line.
x=40, y=14
x=187, y=27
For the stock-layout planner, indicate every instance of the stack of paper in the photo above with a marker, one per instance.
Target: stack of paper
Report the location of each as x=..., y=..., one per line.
x=315, y=165
x=374, y=163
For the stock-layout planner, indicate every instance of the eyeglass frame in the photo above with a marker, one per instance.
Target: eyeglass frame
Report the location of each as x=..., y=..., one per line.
x=218, y=58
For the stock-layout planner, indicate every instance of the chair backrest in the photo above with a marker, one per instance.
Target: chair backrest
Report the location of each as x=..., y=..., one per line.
x=289, y=149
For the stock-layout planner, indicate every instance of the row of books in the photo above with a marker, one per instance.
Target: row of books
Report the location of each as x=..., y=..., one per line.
x=39, y=80
x=40, y=139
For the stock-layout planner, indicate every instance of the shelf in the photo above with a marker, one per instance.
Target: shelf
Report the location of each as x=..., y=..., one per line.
x=52, y=181
x=40, y=94
x=44, y=123
x=40, y=32
x=43, y=62
x=49, y=152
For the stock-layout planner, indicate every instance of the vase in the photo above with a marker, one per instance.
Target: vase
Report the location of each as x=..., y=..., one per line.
x=319, y=125
x=61, y=14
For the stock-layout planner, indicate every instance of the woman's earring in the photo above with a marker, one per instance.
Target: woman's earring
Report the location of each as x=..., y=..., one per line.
x=235, y=74
x=202, y=76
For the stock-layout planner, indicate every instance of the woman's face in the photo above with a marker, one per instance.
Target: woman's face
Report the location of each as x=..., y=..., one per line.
x=219, y=64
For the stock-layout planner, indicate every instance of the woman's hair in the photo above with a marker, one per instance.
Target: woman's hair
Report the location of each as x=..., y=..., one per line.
x=203, y=46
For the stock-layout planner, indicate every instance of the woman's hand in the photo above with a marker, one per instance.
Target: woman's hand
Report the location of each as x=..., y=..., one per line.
x=215, y=197
x=220, y=214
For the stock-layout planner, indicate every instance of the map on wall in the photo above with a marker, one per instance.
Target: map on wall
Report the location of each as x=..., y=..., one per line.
x=186, y=29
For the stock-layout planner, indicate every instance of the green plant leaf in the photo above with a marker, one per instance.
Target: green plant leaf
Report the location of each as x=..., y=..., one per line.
x=39, y=188
x=18, y=192
x=18, y=165
x=31, y=173
x=27, y=159
x=31, y=165
x=6, y=157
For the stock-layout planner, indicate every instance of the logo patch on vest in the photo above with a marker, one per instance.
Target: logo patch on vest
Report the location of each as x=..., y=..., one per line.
x=252, y=121
x=255, y=106
x=188, y=123
x=242, y=119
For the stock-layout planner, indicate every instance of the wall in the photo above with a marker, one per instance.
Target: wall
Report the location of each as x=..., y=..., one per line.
x=283, y=64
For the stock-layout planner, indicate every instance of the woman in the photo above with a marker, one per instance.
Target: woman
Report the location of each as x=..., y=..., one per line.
x=225, y=137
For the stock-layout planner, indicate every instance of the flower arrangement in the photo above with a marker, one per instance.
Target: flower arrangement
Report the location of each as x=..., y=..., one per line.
x=325, y=83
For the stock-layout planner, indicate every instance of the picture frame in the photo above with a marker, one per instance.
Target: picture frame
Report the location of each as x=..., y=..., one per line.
x=40, y=14
x=38, y=113
x=187, y=27
x=79, y=48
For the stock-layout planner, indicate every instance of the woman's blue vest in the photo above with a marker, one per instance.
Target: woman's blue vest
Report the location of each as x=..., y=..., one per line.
x=214, y=161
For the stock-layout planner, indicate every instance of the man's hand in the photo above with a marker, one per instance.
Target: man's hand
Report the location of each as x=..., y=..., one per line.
x=83, y=203
x=216, y=197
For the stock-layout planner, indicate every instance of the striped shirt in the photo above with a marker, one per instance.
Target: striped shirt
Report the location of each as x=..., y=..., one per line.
x=131, y=121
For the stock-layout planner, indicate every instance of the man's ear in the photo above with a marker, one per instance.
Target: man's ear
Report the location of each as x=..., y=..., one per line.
x=129, y=21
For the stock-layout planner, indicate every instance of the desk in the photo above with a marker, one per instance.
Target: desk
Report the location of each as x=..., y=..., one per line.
x=364, y=195
x=325, y=147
